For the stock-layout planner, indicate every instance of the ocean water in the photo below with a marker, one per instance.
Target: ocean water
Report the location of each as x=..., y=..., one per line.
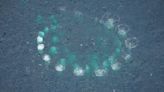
x=20, y=68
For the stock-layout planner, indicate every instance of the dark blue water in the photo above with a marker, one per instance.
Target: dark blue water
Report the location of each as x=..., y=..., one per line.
x=19, y=70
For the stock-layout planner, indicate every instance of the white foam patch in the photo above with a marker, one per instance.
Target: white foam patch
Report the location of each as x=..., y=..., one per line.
x=46, y=58
x=78, y=71
x=127, y=57
x=100, y=72
x=109, y=23
x=40, y=47
x=116, y=66
x=122, y=32
x=60, y=68
x=39, y=39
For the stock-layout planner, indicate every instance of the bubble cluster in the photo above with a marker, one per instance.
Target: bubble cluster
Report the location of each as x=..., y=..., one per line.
x=78, y=71
x=82, y=44
x=100, y=72
x=131, y=42
x=60, y=67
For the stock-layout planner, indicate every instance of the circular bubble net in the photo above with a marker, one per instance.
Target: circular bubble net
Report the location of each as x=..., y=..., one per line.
x=82, y=45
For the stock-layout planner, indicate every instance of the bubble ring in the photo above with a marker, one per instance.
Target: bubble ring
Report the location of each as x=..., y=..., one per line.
x=54, y=29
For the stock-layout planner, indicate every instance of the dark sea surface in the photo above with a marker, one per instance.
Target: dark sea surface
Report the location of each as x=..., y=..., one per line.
x=19, y=59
